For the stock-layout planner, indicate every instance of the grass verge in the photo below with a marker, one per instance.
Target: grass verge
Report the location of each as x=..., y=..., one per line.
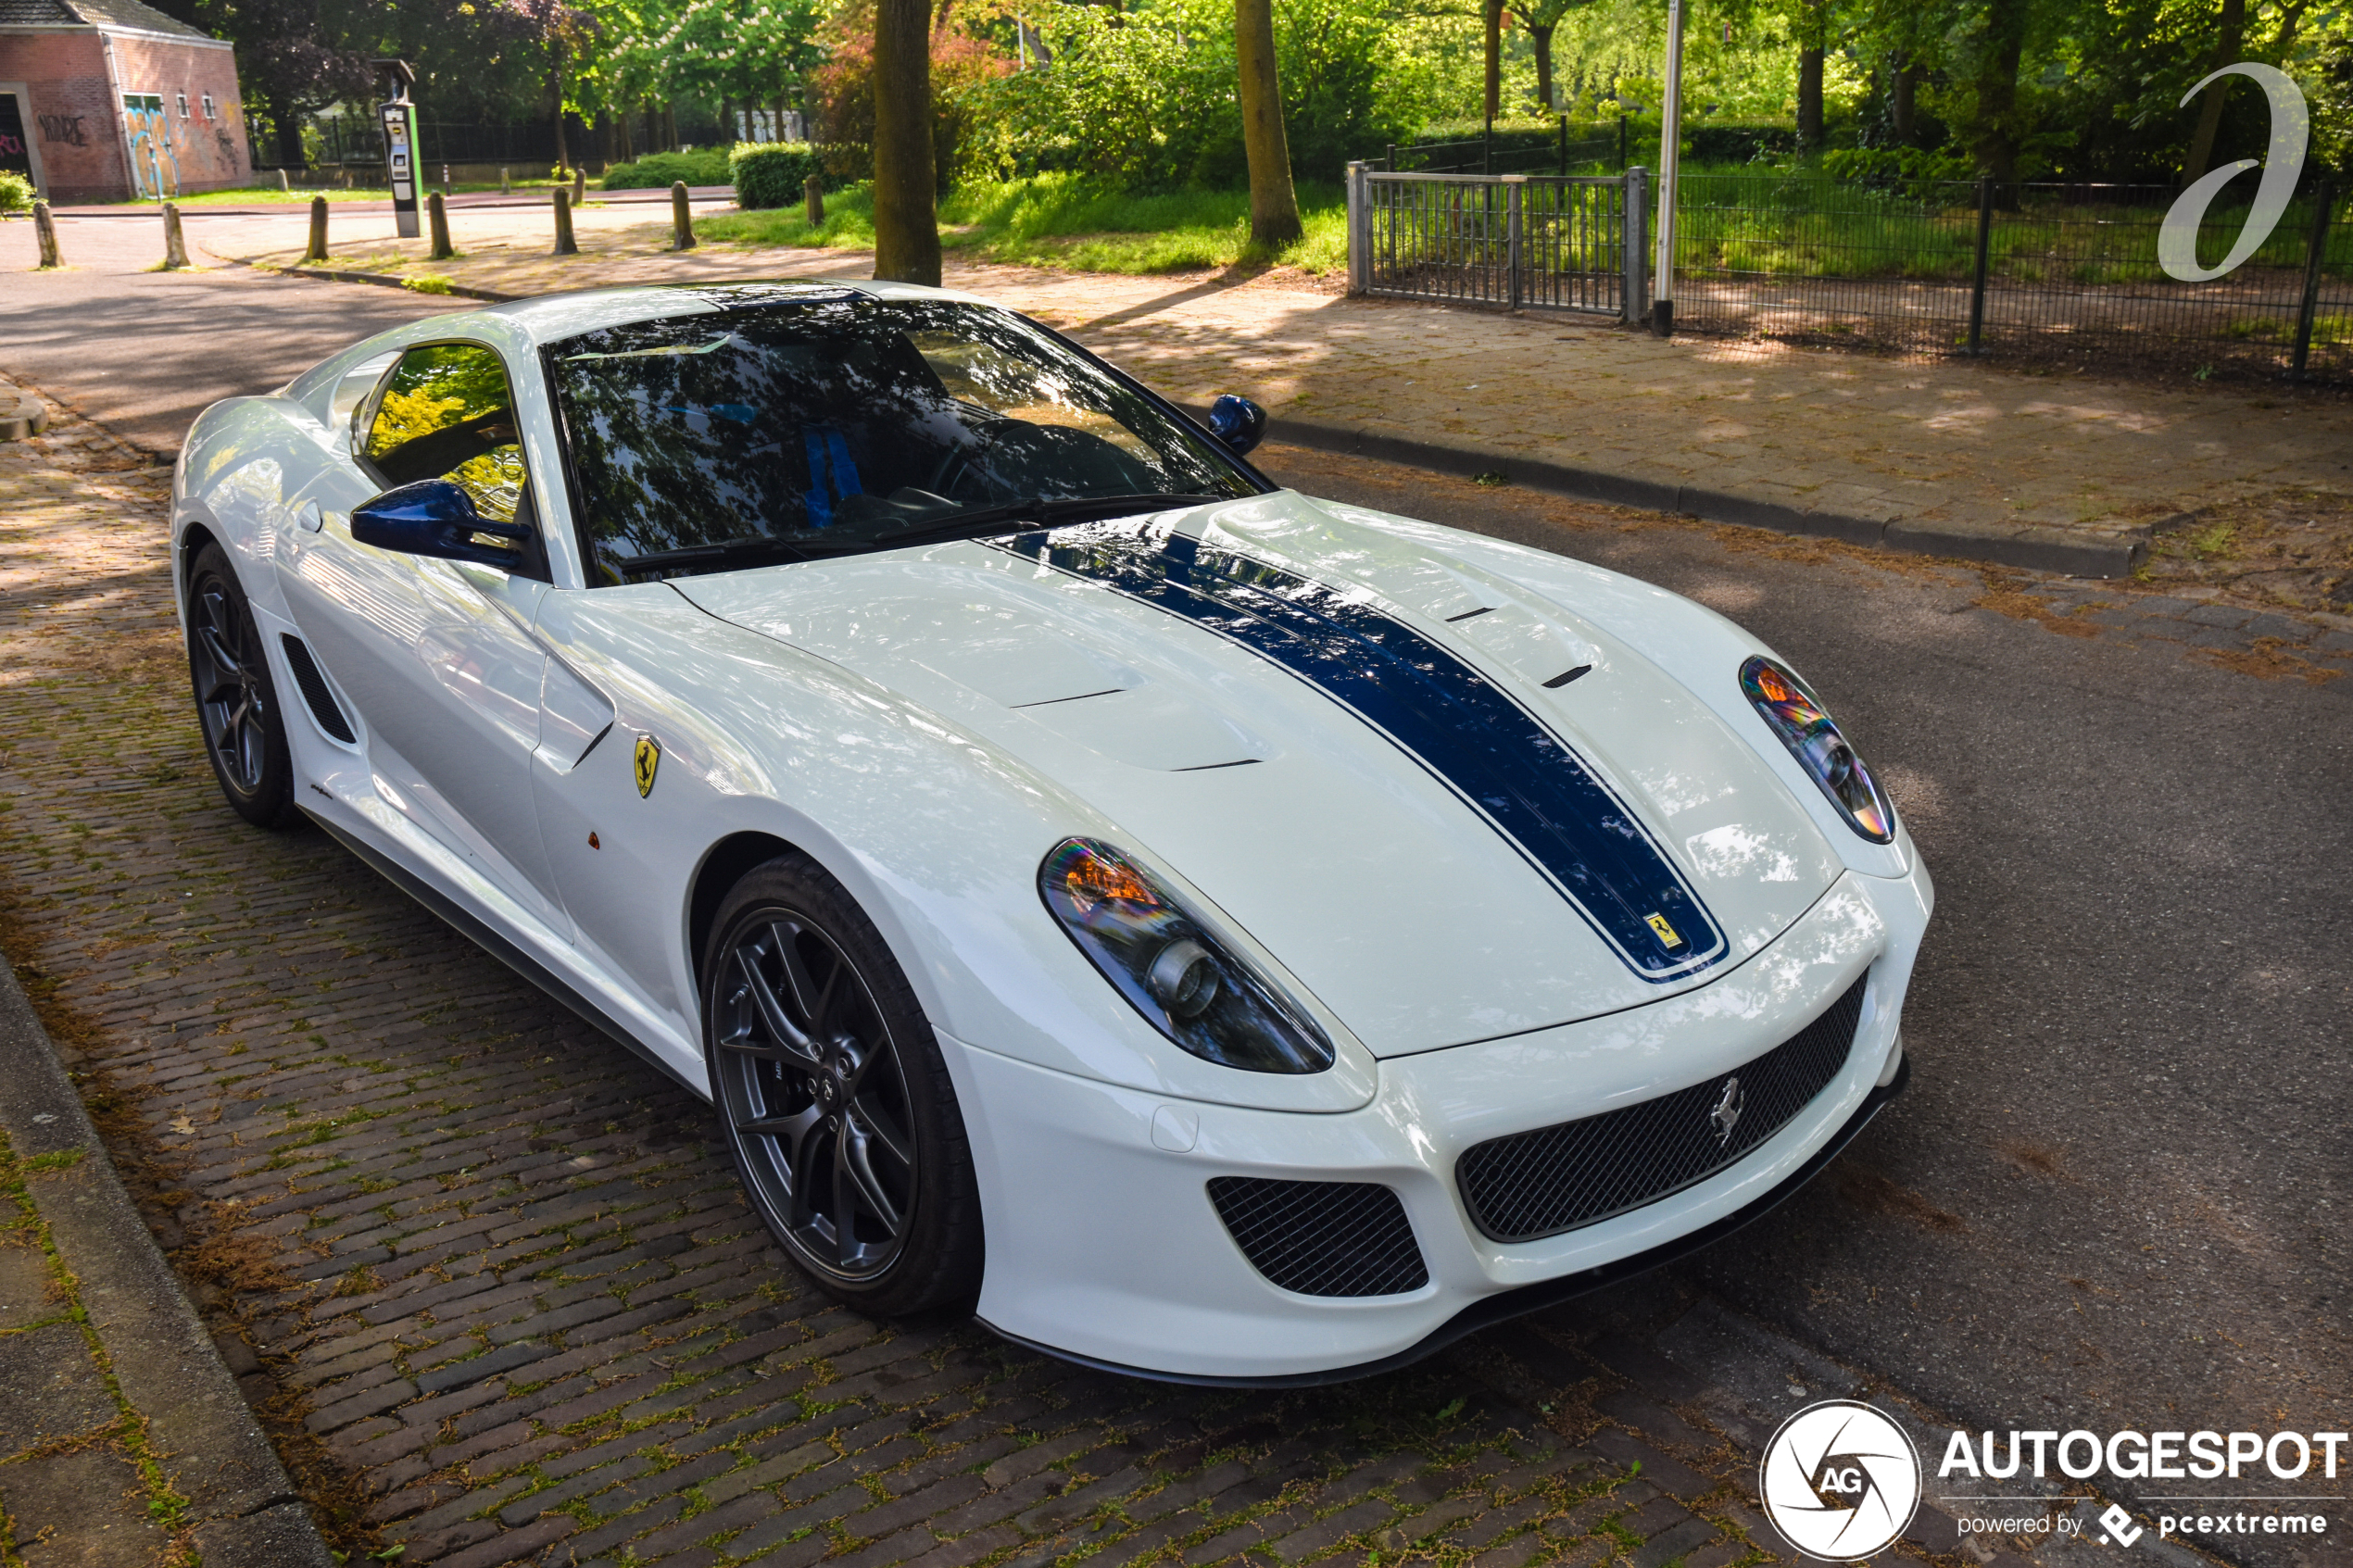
x=1061, y=221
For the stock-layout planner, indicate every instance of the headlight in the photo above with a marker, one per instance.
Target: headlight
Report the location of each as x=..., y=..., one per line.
x=1797, y=717
x=1176, y=973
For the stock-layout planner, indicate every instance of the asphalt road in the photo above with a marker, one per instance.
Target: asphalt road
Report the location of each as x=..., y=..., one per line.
x=2116, y=1193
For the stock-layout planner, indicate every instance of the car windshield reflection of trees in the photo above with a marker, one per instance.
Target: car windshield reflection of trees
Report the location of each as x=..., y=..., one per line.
x=837, y=424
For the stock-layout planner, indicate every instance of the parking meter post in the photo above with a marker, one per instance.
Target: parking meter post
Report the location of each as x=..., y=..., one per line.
x=813, y=194
x=318, y=251
x=437, y=220
x=564, y=244
x=175, y=246
x=682, y=218
x=45, y=228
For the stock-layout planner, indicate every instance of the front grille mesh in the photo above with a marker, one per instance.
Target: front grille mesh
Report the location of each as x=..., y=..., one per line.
x=1322, y=1238
x=1557, y=1178
x=315, y=690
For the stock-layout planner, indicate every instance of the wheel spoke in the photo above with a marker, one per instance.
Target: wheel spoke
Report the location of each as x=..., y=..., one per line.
x=807, y=997
x=879, y=1124
x=859, y=1164
x=793, y=1128
x=797, y=1045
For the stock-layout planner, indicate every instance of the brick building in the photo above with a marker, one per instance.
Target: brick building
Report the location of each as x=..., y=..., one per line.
x=103, y=100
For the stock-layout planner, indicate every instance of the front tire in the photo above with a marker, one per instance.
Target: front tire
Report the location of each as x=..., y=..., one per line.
x=236, y=702
x=834, y=1096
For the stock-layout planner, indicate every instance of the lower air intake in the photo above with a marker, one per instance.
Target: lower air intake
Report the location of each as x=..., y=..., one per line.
x=1582, y=1173
x=1322, y=1238
x=315, y=690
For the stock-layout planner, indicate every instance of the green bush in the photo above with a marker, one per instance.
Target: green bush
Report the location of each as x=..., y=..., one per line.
x=776, y=174
x=655, y=171
x=16, y=192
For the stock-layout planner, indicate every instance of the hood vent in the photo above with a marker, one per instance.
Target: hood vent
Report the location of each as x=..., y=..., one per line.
x=315, y=690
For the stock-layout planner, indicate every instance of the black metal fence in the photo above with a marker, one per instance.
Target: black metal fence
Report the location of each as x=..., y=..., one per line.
x=2050, y=271
x=358, y=140
x=1519, y=242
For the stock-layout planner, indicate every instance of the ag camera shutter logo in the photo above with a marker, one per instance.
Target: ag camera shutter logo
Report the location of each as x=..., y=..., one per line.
x=1840, y=1481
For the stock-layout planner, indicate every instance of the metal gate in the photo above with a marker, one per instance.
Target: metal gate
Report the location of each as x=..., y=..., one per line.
x=1512, y=241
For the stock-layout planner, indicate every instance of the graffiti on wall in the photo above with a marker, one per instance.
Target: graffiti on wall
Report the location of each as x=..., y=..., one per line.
x=15, y=157
x=155, y=164
x=64, y=130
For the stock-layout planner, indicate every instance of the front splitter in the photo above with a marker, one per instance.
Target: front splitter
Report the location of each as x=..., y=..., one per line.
x=1508, y=1304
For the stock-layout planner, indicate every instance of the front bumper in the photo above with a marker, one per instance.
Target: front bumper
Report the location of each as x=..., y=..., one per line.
x=1103, y=1245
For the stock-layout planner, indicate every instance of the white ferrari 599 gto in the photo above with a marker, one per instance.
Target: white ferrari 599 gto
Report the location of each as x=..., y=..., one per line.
x=1214, y=932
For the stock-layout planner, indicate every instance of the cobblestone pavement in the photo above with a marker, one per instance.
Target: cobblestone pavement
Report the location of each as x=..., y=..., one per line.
x=489, y=1282
x=488, y=1279
x=1952, y=445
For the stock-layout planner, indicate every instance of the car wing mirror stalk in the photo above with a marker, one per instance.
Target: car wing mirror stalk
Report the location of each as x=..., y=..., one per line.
x=1239, y=422
x=436, y=516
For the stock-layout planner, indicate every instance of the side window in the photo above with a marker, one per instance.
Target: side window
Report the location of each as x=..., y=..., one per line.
x=445, y=412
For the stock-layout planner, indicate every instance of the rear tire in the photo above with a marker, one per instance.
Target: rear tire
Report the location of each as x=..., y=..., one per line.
x=236, y=701
x=834, y=1096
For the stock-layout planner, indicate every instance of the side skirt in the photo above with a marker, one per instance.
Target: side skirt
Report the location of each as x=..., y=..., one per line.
x=1506, y=1305
x=499, y=947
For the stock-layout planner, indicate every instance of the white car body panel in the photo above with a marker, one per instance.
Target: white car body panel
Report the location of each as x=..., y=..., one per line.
x=927, y=724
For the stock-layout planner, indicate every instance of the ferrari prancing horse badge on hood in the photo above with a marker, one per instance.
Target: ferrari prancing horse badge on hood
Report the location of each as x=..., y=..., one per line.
x=648, y=759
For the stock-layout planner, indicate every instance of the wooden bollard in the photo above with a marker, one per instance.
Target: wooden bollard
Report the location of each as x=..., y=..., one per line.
x=813, y=195
x=437, y=215
x=565, y=245
x=45, y=228
x=283, y=186
x=175, y=246
x=318, y=251
x=682, y=218
x=580, y=186
x=506, y=182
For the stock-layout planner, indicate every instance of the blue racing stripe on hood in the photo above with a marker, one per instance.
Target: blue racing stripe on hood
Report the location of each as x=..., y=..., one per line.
x=1468, y=732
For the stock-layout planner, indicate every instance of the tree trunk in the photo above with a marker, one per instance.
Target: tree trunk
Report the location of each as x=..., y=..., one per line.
x=286, y=122
x=2209, y=108
x=1810, y=50
x=906, y=214
x=1540, y=36
x=1274, y=206
x=669, y=128
x=1494, y=10
x=1904, y=106
x=1996, y=131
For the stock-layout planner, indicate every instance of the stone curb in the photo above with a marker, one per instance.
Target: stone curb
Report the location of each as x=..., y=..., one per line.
x=21, y=415
x=2086, y=553
x=2105, y=553
x=245, y=1512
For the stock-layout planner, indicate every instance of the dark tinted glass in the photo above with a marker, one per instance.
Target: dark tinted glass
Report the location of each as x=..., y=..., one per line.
x=841, y=421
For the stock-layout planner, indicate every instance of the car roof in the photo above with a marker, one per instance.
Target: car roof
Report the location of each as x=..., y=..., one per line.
x=550, y=318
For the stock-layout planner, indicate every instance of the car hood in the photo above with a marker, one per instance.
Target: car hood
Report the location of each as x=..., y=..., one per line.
x=1354, y=745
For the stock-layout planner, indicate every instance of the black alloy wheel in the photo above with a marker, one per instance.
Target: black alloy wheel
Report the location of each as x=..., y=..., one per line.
x=831, y=1090
x=236, y=702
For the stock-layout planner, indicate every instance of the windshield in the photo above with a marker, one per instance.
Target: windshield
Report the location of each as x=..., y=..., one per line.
x=828, y=426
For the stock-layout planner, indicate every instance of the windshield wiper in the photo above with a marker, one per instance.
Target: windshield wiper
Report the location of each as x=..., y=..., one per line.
x=712, y=555
x=1035, y=509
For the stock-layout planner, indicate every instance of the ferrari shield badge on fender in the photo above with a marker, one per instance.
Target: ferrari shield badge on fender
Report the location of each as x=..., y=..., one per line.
x=648, y=759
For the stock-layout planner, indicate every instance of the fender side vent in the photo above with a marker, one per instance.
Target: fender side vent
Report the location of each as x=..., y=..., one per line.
x=315, y=690
x=1322, y=1238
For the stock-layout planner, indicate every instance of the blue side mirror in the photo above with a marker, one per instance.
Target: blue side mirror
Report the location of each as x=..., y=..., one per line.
x=436, y=517
x=1239, y=422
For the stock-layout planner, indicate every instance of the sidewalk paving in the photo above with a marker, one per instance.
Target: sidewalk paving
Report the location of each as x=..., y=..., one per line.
x=2056, y=472
x=124, y=1440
